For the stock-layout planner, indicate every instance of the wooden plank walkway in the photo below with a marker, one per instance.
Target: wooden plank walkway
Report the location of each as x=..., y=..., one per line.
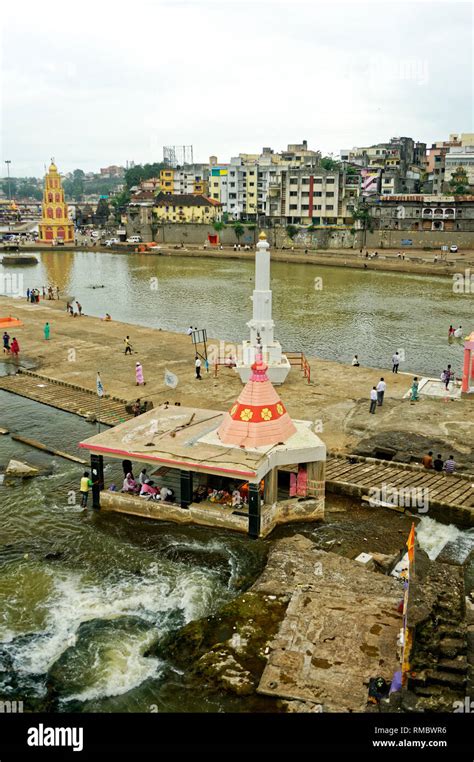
x=452, y=496
x=67, y=397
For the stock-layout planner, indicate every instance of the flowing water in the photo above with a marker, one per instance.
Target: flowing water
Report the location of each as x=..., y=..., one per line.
x=345, y=312
x=85, y=594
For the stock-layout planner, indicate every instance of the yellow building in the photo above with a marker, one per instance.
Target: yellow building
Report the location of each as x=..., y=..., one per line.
x=186, y=207
x=55, y=224
x=167, y=180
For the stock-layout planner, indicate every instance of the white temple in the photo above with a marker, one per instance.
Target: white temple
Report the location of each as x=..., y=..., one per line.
x=261, y=326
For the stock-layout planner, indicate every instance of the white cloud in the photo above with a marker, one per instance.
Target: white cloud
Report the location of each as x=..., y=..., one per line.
x=99, y=83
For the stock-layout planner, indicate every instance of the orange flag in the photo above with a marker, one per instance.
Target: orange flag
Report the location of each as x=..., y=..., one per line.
x=411, y=545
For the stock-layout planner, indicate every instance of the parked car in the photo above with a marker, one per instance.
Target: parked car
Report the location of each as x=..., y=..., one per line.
x=134, y=239
x=453, y=248
x=111, y=241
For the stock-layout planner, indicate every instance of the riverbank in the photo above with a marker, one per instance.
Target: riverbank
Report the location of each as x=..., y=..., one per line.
x=316, y=626
x=336, y=400
x=416, y=260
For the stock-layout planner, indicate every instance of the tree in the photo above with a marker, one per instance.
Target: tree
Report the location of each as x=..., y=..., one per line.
x=291, y=231
x=13, y=187
x=218, y=226
x=239, y=231
x=459, y=183
x=102, y=212
x=329, y=163
x=135, y=175
x=119, y=203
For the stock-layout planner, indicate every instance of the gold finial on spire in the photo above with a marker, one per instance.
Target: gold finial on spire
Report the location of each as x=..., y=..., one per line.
x=262, y=236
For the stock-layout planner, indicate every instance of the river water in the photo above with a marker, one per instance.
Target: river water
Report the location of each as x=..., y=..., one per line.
x=329, y=312
x=84, y=594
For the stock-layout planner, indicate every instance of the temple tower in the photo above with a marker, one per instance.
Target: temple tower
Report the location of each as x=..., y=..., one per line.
x=261, y=325
x=55, y=223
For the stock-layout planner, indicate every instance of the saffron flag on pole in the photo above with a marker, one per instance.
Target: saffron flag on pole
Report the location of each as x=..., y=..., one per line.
x=100, y=388
x=411, y=544
x=170, y=379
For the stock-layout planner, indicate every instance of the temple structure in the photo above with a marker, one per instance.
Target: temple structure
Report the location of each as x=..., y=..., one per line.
x=55, y=224
x=261, y=325
x=247, y=470
x=468, y=366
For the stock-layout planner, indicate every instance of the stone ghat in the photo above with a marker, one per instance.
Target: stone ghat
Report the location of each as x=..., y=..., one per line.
x=315, y=627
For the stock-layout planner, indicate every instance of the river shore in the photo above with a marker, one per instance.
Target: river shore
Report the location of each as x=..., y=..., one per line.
x=336, y=400
x=416, y=261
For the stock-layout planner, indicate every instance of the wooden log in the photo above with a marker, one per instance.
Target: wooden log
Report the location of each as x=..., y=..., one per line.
x=50, y=450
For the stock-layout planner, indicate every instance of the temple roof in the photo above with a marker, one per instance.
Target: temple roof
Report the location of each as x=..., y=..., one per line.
x=258, y=417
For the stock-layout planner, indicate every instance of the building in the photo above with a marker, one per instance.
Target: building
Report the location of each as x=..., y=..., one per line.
x=112, y=171
x=186, y=207
x=424, y=212
x=192, y=178
x=303, y=196
x=55, y=224
x=219, y=184
x=459, y=157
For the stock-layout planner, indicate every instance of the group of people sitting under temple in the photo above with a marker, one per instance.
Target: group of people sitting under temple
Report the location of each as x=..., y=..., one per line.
x=144, y=486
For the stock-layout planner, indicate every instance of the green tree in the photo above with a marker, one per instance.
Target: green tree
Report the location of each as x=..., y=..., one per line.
x=218, y=226
x=102, y=212
x=119, y=204
x=362, y=213
x=329, y=163
x=13, y=186
x=239, y=231
x=459, y=183
x=135, y=175
x=291, y=231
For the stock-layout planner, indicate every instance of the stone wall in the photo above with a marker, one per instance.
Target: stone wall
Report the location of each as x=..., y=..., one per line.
x=192, y=233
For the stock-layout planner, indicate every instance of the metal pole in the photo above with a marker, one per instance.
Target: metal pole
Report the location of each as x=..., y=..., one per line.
x=8, y=162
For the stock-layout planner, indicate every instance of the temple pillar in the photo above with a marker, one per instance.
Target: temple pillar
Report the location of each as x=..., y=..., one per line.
x=466, y=370
x=254, y=511
x=97, y=477
x=270, y=490
x=186, y=479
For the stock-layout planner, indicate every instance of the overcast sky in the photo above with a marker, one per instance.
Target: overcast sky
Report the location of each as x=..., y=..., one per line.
x=97, y=83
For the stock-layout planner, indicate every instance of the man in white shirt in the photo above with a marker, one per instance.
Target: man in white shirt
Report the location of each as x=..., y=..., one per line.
x=381, y=386
x=395, y=362
x=143, y=477
x=189, y=331
x=373, y=399
x=197, y=365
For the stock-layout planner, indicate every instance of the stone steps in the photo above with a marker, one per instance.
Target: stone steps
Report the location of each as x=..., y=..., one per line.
x=68, y=397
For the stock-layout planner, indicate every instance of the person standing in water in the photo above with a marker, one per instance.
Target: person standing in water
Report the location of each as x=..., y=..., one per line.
x=47, y=331
x=139, y=374
x=355, y=362
x=84, y=488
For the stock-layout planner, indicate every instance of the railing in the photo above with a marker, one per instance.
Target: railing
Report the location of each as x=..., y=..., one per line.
x=299, y=359
x=227, y=362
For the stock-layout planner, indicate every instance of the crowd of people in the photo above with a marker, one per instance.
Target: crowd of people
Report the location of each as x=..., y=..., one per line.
x=47, y=292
